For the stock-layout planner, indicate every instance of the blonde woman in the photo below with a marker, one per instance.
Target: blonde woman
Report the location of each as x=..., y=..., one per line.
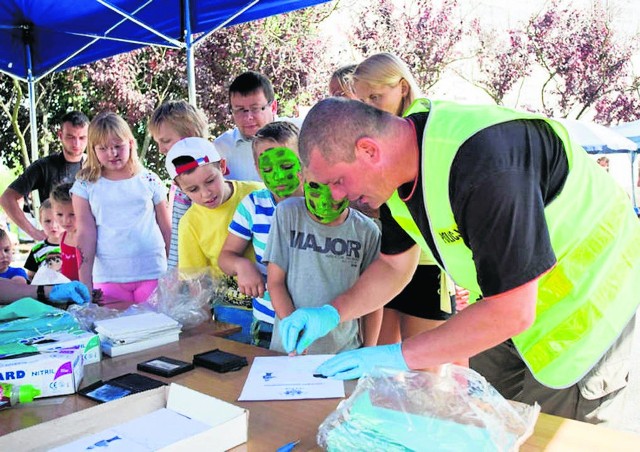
x=384, y=81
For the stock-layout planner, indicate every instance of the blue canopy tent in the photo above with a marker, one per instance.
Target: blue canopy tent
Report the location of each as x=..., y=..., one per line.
x=598, y=139
x=42, y=36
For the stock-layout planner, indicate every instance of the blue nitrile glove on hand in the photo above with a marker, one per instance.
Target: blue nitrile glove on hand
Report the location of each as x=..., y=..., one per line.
x=354, y=363
x=73, y=291
x=313, y=323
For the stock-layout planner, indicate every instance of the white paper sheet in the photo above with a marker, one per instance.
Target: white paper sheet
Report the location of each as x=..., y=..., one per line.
x=289, y=378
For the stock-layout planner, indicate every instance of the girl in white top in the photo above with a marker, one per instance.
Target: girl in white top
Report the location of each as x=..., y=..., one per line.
x=124, y=227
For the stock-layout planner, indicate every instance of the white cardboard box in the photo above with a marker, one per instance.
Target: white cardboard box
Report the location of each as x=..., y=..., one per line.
x=54, y=373
x=86, y=341
x=229, y=423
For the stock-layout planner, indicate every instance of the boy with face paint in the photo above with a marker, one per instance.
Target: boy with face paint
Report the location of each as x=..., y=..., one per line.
x=275, y=157
x=317, y=249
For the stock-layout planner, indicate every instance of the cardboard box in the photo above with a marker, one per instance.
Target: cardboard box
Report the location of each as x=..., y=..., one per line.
x=54, y=373
x=86, y=341
x=229, y=423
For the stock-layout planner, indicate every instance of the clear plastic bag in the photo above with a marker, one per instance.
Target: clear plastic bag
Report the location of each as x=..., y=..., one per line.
x=456, y=409
x=185, y=296
x=28, y=318
x=88, y=313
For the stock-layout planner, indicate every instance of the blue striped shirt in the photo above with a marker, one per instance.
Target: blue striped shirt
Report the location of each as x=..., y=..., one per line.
x=252, y=222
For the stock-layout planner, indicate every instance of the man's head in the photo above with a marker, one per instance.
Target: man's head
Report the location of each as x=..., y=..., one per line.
x=175, y=120
x=252, y=102
x=196, y=166
x=62, y=207
x=341, y=145
x=73, y=135
x=48, y=221
x=604, y=162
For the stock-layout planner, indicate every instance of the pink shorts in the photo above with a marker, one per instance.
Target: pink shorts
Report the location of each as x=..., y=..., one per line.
x=126, y=294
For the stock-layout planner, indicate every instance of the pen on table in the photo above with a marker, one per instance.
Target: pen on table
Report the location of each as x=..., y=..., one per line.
x=288, y=447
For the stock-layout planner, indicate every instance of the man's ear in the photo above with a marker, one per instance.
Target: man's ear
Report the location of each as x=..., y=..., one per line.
x=367, y=148
x=60, y=134
x=274, y=107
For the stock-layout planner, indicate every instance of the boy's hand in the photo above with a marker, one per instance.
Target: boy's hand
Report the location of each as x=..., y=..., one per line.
x=73, y=291
x=354, y=363
x=250, y=281
x=305, y=325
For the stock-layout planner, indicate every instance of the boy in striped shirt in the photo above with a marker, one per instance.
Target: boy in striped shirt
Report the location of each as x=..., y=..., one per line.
x=275, y=153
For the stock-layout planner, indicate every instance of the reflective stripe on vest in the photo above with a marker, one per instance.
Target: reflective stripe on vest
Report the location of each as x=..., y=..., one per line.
x=585, y=301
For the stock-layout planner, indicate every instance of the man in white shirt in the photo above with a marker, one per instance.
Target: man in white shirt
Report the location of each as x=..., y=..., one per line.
x=252, y=104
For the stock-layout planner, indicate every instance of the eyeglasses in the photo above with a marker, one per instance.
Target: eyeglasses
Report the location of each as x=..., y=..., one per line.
x=253, y=110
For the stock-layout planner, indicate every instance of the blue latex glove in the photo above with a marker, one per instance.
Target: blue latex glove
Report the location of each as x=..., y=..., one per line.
x=354, y=363
x=73, y=291
x=313, y=323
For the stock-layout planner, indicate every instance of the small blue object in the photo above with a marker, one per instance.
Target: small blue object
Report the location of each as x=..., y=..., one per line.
x=288, y=447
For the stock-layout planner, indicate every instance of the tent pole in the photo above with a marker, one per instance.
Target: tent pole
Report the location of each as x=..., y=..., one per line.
x=188, y=40
x=31, y=85
x=191, y=82
x=32, y=117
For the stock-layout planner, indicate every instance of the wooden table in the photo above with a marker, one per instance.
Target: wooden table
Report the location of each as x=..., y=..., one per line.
x=274, y=423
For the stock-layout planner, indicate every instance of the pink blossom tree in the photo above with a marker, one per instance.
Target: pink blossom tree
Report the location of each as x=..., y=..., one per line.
x=422, y=35
x=503, y=62
x=584, y=59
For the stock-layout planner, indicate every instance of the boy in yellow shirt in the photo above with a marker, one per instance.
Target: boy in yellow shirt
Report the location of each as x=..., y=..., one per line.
x=197, y=168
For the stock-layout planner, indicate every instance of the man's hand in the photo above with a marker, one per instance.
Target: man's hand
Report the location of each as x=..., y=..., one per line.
x=73, y=291
x=313, y=323
x=37, y=234
x=354, y=363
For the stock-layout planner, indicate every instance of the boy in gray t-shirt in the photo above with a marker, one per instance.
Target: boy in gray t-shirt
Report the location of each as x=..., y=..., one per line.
x=317, y=249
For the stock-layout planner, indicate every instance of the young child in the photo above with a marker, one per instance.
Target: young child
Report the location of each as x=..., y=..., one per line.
x=197, y=168
x=45, y=252
x=62, y=208
x=169, y=123
x=16, y=274
x=275, y=149
x=123, y=219
x=317, y=249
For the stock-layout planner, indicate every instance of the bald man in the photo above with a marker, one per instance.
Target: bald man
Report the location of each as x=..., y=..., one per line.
x=514, y=211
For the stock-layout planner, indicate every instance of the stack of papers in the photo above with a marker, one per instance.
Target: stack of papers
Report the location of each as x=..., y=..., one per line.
x=133, y=333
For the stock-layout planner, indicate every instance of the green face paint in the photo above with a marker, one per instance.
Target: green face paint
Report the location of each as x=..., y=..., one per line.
x=320, y=202
x=280, y=170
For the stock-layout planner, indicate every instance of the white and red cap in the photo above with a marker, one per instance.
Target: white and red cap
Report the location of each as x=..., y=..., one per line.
x=198, y=152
